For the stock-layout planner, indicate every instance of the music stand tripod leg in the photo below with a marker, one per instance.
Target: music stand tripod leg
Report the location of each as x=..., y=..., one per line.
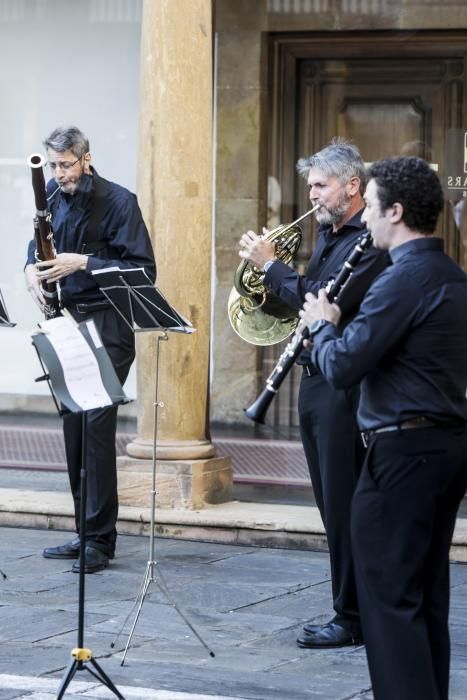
x=149, y=573
x=139, y=603
x=152, y=563
x=80, y=655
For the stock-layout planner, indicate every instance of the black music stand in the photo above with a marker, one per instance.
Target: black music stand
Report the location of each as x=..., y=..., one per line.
x=4, y=318
x=141, y=305
x=4, y=321
x=73, y=355
x=144, y=308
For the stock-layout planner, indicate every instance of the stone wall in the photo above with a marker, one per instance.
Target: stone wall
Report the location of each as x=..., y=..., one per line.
x=240, y=193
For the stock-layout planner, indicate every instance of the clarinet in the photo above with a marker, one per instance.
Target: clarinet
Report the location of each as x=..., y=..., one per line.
x=334, y=290
x=43, y=234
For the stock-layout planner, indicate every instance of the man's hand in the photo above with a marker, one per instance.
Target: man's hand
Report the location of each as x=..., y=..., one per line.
x=33, y=285
x=256, y=249
x=61, y=266
x=319, y=307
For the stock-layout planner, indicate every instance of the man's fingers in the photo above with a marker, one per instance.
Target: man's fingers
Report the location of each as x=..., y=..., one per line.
x=37, y=293
x=249, y=237
x=48, y=274
x=37, y=297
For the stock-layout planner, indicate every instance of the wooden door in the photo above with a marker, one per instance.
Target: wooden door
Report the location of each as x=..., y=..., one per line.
x=390, y=93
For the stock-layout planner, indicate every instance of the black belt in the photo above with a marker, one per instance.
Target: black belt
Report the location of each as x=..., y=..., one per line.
x=413, y=423
x=89, y=307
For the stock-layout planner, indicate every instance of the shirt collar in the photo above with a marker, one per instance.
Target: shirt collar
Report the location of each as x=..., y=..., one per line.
x=416, y=245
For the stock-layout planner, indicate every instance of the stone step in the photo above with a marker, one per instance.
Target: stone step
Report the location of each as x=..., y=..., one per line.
x=254, y=524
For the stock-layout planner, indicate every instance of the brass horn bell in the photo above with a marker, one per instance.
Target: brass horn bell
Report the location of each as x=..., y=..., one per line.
x=255, y=314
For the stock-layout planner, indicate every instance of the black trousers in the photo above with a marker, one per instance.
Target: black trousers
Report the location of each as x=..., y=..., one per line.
x=334, y=451
x=101, y=468
x=403, y=517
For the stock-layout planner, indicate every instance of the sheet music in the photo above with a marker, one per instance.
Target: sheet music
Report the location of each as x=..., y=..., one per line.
x=80, y=367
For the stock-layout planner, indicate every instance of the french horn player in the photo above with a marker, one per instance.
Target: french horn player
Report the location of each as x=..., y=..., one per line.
x=333, y=447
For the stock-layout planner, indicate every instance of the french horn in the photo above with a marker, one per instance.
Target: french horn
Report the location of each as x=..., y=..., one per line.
x=256, y=315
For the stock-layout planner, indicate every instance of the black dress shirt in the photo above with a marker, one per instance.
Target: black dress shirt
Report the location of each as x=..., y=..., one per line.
x=121, y=228
x=408, y=343
x=332, y=248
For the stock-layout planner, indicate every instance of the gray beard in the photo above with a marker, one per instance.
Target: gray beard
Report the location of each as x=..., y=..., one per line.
x=69, y=187
x=334, y=216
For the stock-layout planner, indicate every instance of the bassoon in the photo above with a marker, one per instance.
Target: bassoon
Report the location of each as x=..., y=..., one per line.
x=335, y=288
x=43, y=234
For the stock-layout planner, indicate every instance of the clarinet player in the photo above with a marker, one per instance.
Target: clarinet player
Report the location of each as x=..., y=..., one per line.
x=96, y=224
x=331, y=439
x=408, y=348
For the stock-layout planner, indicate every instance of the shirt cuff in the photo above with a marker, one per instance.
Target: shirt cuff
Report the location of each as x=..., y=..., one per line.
x=276, y=273
x=94, y=263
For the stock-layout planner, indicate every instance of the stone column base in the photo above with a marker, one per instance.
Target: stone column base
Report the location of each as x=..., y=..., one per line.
x=184, y=484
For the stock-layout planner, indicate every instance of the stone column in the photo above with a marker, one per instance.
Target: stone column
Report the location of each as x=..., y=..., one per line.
x=240, y=189
x=175, y=195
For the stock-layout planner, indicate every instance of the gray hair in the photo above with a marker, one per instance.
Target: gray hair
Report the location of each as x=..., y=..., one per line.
x=340, y=158
x=68, y=138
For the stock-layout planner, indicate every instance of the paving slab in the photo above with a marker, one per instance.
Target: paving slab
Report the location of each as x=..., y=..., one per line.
x=247, y=603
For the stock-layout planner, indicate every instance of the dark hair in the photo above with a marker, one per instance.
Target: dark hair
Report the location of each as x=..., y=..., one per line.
x=340, y=158
x=68, y=138
x=411, y=182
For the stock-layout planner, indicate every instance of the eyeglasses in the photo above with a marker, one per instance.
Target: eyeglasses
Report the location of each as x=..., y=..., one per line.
x=63, y=165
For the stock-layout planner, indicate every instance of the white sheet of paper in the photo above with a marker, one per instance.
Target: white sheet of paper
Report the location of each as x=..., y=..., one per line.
x=80, y=367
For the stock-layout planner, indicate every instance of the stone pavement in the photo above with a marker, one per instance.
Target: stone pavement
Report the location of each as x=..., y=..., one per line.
x=246, y=602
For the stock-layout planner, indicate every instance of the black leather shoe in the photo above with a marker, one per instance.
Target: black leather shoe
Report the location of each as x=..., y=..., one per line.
x=311, y=628
x=94, y=560
x=328, y=636
x=70, y=550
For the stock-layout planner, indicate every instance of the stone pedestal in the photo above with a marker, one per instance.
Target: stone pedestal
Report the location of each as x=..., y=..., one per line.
x=185, y=484
x=175, y=195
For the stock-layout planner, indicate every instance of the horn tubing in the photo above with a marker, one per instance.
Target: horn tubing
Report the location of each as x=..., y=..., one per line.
x=310, y=211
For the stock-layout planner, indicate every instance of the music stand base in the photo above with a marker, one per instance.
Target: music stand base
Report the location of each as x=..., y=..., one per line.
x=82, y=657
x=138, y=604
